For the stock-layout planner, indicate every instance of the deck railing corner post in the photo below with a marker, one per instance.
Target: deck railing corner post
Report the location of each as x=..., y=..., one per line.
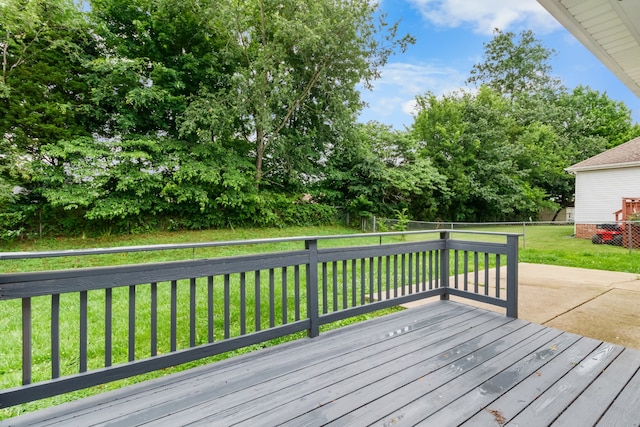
x=512, y=276
x=312, y=288
x=444, y=265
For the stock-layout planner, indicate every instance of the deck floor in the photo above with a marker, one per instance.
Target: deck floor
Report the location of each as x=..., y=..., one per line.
x=441, y=364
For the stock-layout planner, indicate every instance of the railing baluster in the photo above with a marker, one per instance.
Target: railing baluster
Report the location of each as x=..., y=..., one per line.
x=210, y=309
x=371, y=263
x=83, y=331
x=55, y=336
x=362, y=280
x=475, y=272
x=243, y=304
x=436, y=260
x=285, y=292
x=431, y=270
x=410, y=272
x=108, y=327
x=388, y=276
x=344, y=284
x=466, y=270
x=325, y=291
x=132, y=323
x=424, y=271
x=486, y=273
x=497, y=275
x=227, y=306
x=296, y=280
x=256, y=298
x=192, y=312
x=154, y=319
x=26, y=341
x=354, y=292
x=417, y=270
x=403, y=282
x=174, y=315
x=272, y=299
x=379, y=278
x=395, y=276
x=455, y=269
x=334, y=274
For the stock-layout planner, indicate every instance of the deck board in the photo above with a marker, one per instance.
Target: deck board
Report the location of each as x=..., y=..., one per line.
x=445, y=363
x=344, y=374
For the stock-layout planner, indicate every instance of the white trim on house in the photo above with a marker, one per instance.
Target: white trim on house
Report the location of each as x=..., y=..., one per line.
x=603, y=167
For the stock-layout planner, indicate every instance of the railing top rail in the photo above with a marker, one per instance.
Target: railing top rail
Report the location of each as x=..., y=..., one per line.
x=195, y=245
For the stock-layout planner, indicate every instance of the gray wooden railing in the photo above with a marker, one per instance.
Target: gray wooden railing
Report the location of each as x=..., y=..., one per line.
x=142, y=318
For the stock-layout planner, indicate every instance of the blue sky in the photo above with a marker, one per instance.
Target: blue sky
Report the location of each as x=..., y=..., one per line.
x=450, y=36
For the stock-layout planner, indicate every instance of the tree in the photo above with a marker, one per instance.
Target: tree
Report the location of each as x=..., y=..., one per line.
x=294, y=88
x=472, y=140
x=43, y=95
x=44, y=49
x=376, y=170
x=157, y=55
x=515, y=65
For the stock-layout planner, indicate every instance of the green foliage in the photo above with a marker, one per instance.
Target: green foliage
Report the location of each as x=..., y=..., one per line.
x=376, y=171
x=504, y=149
x=469, y=139
x=294, y=87
x=131, y=115
x=515, y=65
x=402, y=220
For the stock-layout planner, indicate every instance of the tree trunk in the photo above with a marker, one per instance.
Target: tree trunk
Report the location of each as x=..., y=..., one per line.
x=259, y=155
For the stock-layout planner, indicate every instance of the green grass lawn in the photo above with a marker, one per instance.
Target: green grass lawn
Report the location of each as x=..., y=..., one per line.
x=556, y=245
x=541, y=244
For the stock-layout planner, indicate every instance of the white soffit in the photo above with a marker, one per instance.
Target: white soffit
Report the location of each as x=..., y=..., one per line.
x=610, y=29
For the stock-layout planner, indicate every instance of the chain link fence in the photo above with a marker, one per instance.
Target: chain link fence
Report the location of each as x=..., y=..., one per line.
x=623, y=233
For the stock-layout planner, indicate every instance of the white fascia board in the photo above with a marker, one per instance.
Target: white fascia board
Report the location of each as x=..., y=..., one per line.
x=603, y=167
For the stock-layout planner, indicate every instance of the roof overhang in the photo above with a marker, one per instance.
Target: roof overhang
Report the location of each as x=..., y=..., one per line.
x=610, y=29
x=603, y=167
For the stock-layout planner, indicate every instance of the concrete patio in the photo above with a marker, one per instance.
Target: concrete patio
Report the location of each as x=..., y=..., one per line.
x=598, y=304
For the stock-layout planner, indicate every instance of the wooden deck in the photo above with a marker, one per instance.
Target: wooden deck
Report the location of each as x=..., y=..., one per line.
x=442, y=364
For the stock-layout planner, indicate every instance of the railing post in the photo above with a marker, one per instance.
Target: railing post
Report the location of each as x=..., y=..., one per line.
x=312, y=288
x=512, y=276
x=444, y=265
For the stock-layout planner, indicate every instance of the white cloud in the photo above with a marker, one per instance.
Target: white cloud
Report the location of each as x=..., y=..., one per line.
x=415, y=79
x=393, y=95
x=410, y=107
x=486, y=15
